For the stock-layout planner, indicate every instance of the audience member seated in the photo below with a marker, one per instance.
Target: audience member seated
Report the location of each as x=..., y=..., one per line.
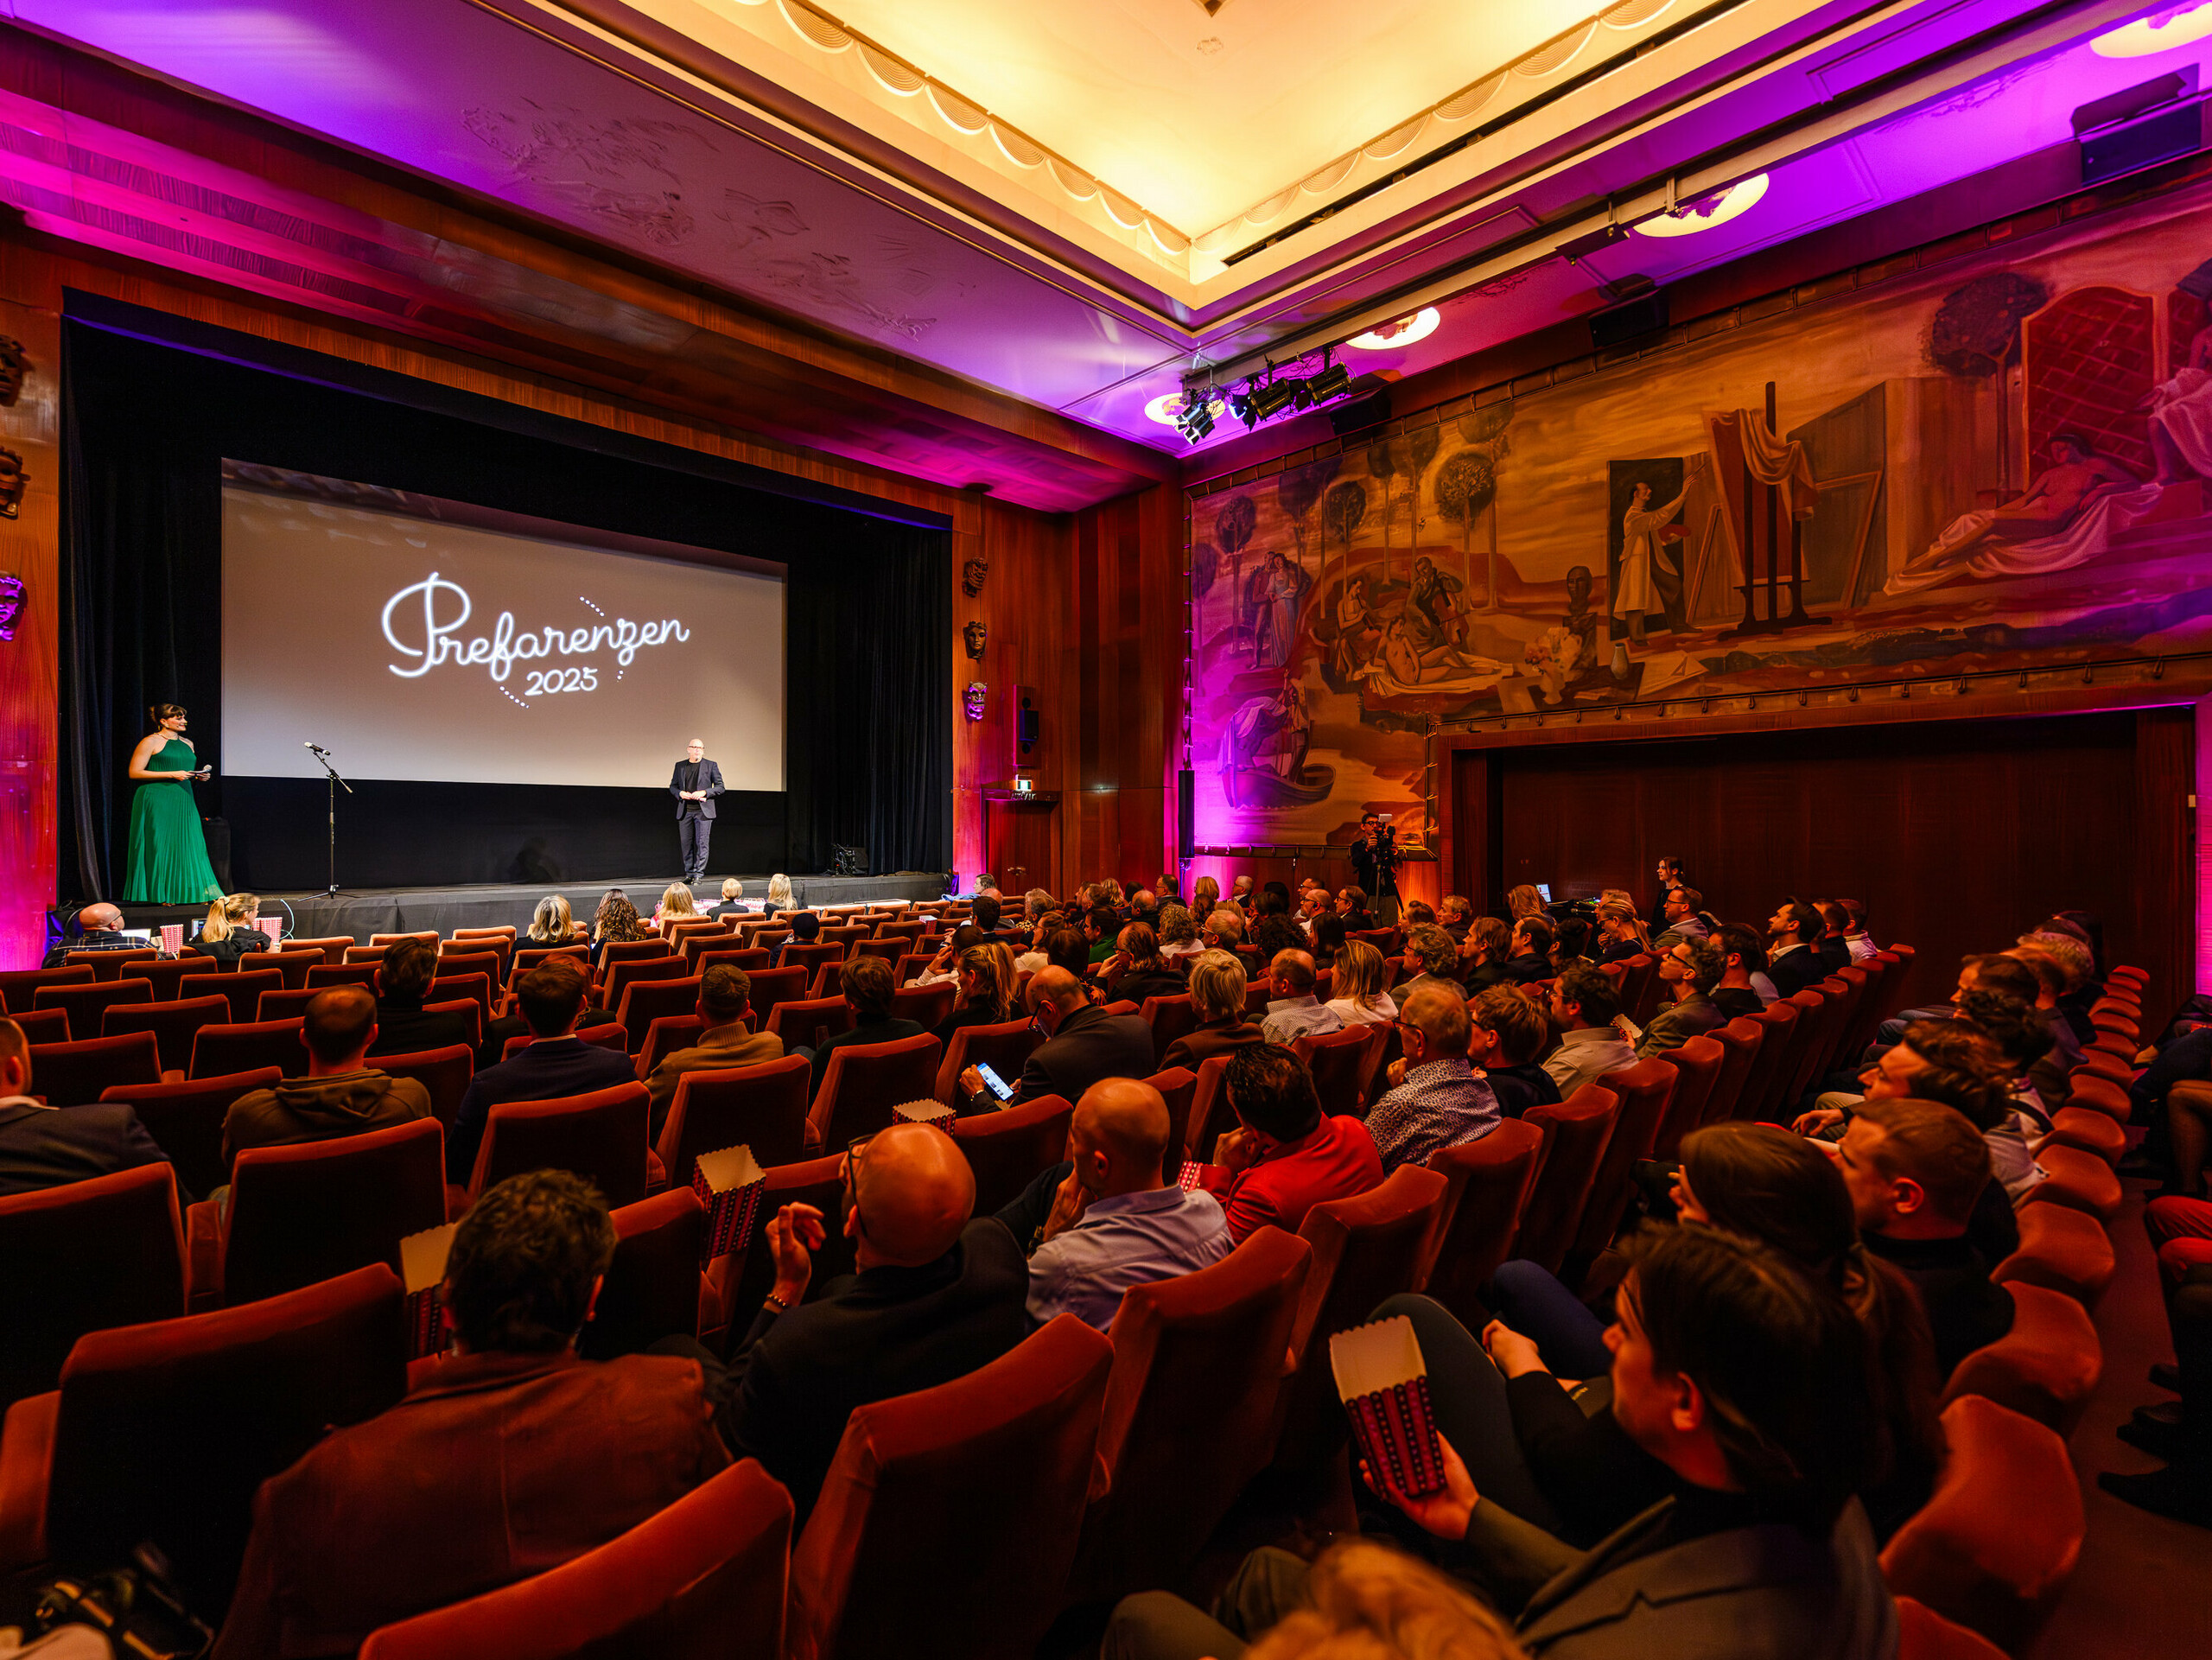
x=1357, y=981
x=1294, y=1012
x=1620, y=933
x=1571, y=937
x=988, y=909
x=1275, y=934
x=1285, y=1156
x=1792, y=960
x=1436, y=956
x=1178, y=935
x=1325, y=931
x=1509, y=1033
x=805, y=930
x=1913, y=1170
x=340, y=1095
x=1436, y=1100
x=229, y=931
x=1087, y=1045
x=1351, y=906
x=1584, y=1005
x=1217, y=995
x=616, y=923
x=1528, y=953
x=866, y=985
x=1834, y=951
x=509, y=1457
x=1485, y=954
x=1100, y=924
x=45, y=1147
x=2066, y=942
x=1223, y=929
x=946, y=965
x=2044, y=985
x=1748, y=1379
x=725, y=994
x=403, y=1026
x=1106, y=1219
x=1682, y=914
x=986, y=995
x=1690, y=971
x=552, y=924
x=1136, y=970
x=1855, y=937
x=675, y=905
x=1456, y=916
x=938, y=1293
x=99, y=928
x=1743, y=957
x=780, y=898
x=555, y=1065
x=733, y=900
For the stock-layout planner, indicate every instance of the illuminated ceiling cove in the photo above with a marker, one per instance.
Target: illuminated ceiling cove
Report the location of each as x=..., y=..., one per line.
x=1081, y=202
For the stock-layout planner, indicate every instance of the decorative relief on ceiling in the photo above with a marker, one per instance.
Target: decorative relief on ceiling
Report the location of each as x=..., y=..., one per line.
x=620, y=172
x=766, y=241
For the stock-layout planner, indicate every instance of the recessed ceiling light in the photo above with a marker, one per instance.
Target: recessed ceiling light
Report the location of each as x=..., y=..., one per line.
x=1404, y=332
x=1167, y=408
x=2159, y=32
x=1707, y=211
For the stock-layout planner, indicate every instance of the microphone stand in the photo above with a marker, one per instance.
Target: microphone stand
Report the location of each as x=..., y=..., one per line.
x=335, y=785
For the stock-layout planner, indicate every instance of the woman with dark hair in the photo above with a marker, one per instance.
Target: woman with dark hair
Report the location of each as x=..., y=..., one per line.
x=1570, y=944
x=1328, y=939
x=1136, y=970
x=1544, y=1435
x=166, y=860
x=616, y=923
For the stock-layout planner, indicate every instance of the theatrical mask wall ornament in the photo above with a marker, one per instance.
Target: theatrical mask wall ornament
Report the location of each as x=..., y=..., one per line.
x=976, y=633
x=11, y=483
x=11, y=603
x=973, y=697
x=971, y=577
x=14, y=365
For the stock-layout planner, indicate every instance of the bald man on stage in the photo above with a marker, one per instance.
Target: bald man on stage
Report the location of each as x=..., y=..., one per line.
x=695, y=785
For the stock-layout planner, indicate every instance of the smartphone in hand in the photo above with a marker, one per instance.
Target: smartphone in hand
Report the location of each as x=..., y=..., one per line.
x=997, y=1086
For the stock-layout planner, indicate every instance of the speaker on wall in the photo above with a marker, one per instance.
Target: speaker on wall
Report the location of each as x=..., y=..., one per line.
x=1186, y=814
x=1028, y=727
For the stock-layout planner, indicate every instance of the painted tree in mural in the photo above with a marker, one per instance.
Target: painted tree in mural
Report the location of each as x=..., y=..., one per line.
x=1465, y=485
x=1297, y=490
x=1422, y=445
x=1976, y=333
x=1232, y=528
x=1342, y=510
x=1485, y=428
x=1383, y=468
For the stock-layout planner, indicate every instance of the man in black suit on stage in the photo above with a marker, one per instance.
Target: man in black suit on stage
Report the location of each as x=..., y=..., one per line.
x=695, y=784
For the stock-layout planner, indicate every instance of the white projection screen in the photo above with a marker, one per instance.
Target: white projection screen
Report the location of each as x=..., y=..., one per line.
x=416, y=639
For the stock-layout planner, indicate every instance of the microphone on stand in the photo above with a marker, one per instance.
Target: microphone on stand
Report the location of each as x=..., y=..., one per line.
x=317, y=747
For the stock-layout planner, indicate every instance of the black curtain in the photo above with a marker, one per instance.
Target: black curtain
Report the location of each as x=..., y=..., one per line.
x=146, y=428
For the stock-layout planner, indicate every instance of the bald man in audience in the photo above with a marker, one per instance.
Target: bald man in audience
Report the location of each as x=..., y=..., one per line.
x=1294, y=1012
x=1107, y=1218
x=938, y=1293
x=1436, y=1100
x=99, y=928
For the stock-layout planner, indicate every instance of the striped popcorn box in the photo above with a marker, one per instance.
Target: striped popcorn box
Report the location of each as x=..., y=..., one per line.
x=422, y=1264
x=925, y=1112
x=1384, y=1385
x=1188, y=1178
x=171, y=939
x=729, y=1184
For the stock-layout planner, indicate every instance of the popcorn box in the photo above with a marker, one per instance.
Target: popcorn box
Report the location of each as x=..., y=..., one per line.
x=925, y=1112
x=171, y=939
x=423, y=1267
x=729, y=1184
x=1384, y=1384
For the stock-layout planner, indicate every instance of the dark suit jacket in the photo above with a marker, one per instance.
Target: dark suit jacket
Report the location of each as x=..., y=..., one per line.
x=1089, y=1045
x=1194, y=1049
x=51, y=1147
x=884, y=1031
x=1795, y=970
x=710, y=780
x=404, y=1029
x=869, y=1336
x=548, y=1070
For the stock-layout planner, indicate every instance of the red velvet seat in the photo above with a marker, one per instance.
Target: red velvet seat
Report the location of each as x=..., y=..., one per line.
x=617, y=976
x=428, y=936
x=286, y=1003
x=1760, y=1099
x=645, y=1001
x=476, y=986
x=811, y=958
x=1198, y=1362
x=44, y=1025
x=1999, y=1539
x=86, y=1256
x=111, y=965
x=742, y=1281
x=1004, y=1047
x=185, y=1119
x=773, y=986
x=1008, y=1149
x=599, y=1136
x=165, y=974
x=528, y=957
x=19, y=986
x=1212, y=1117
x=828, y=981
x=1576, y=1133
x=2046, y=1367
x=86, y=1006
x=2060, y=1249
x=164, y=1432
x=471, y=1012
x=1923, y=1634
x=219, y=1049
x=704, y=1579
x=322, y=976
x=864, y=1081
x=1645, y=1090
x=761, y=1107
x=665, y=1035
x=174, y=1025
x=333, y=947
x=712, y=954
x=1697, y=1066
x=2077, y=1179
x=2101, y=1095
x=444, y=1072
x=652, y=1284
x=889, y=950
x=291, y=964
x=308, y=1212
x=805, y=1022
x=1338, y=1063
x=609, y=1036
x=1740, y=1040
x=1489, y=1185
x=1170, y=1018
x=454, y=962
x=1177, y=1087
x=2085, y=1129
x=243, y=987
x=70, y=1074
x=1365, y=1248
x=949, y=1516
x=926, y=1006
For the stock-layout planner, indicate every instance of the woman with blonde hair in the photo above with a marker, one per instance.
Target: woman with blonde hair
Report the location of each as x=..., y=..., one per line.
x=986, y=996
x=1218, y=992
x=1178, y=933
x=1621, y=931
x=780, y=894
x=733, y=898
x=1204, y=895
x=1524, y=901
x=675, y=903
x=1359, y=974
x=552, y=923
x=228, y=934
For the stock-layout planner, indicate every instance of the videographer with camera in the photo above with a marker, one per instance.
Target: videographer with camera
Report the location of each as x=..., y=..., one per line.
x=1375, y=862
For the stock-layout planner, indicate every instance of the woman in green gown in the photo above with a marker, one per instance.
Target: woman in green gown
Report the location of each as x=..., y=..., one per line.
x=168, y=855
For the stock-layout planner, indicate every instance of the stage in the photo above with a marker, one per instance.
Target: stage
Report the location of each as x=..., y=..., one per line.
x=405, y=910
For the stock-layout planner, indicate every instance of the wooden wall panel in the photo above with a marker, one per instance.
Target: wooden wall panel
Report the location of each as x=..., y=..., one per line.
x=1955, y=835
x=29, y=546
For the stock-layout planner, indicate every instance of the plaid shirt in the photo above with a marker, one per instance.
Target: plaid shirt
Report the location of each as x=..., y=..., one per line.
x=1439, y=1106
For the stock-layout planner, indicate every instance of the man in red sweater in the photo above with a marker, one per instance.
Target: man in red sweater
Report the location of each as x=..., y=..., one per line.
x=1285, y=1156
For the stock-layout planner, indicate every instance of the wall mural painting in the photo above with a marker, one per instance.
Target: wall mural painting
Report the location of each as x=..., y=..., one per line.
x=2000, y=463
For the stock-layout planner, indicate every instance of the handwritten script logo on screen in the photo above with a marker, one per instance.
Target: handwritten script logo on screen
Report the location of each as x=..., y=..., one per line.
x=425, y=627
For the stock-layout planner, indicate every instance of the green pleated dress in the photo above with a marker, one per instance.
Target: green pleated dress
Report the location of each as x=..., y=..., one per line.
x=169, y=854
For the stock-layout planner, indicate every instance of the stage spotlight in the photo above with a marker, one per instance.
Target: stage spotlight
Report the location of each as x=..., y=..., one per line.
x=1240, y=405
x=1332, y=381
x=1197, y=422
x=1272, y=400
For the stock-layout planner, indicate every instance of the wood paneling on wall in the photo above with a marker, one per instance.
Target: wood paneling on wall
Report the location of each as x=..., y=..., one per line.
x=29, y=544
x=1955, y=835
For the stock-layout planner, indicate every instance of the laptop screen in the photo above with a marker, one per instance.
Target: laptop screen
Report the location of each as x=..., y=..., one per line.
x=1544, y=890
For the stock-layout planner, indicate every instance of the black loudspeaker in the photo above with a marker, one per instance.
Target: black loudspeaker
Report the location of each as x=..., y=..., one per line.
x=2145, y=142
x=848, y=861
x=1368, y=405
x=1186, y=814
x=1028, y=728
x=1618, y=325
